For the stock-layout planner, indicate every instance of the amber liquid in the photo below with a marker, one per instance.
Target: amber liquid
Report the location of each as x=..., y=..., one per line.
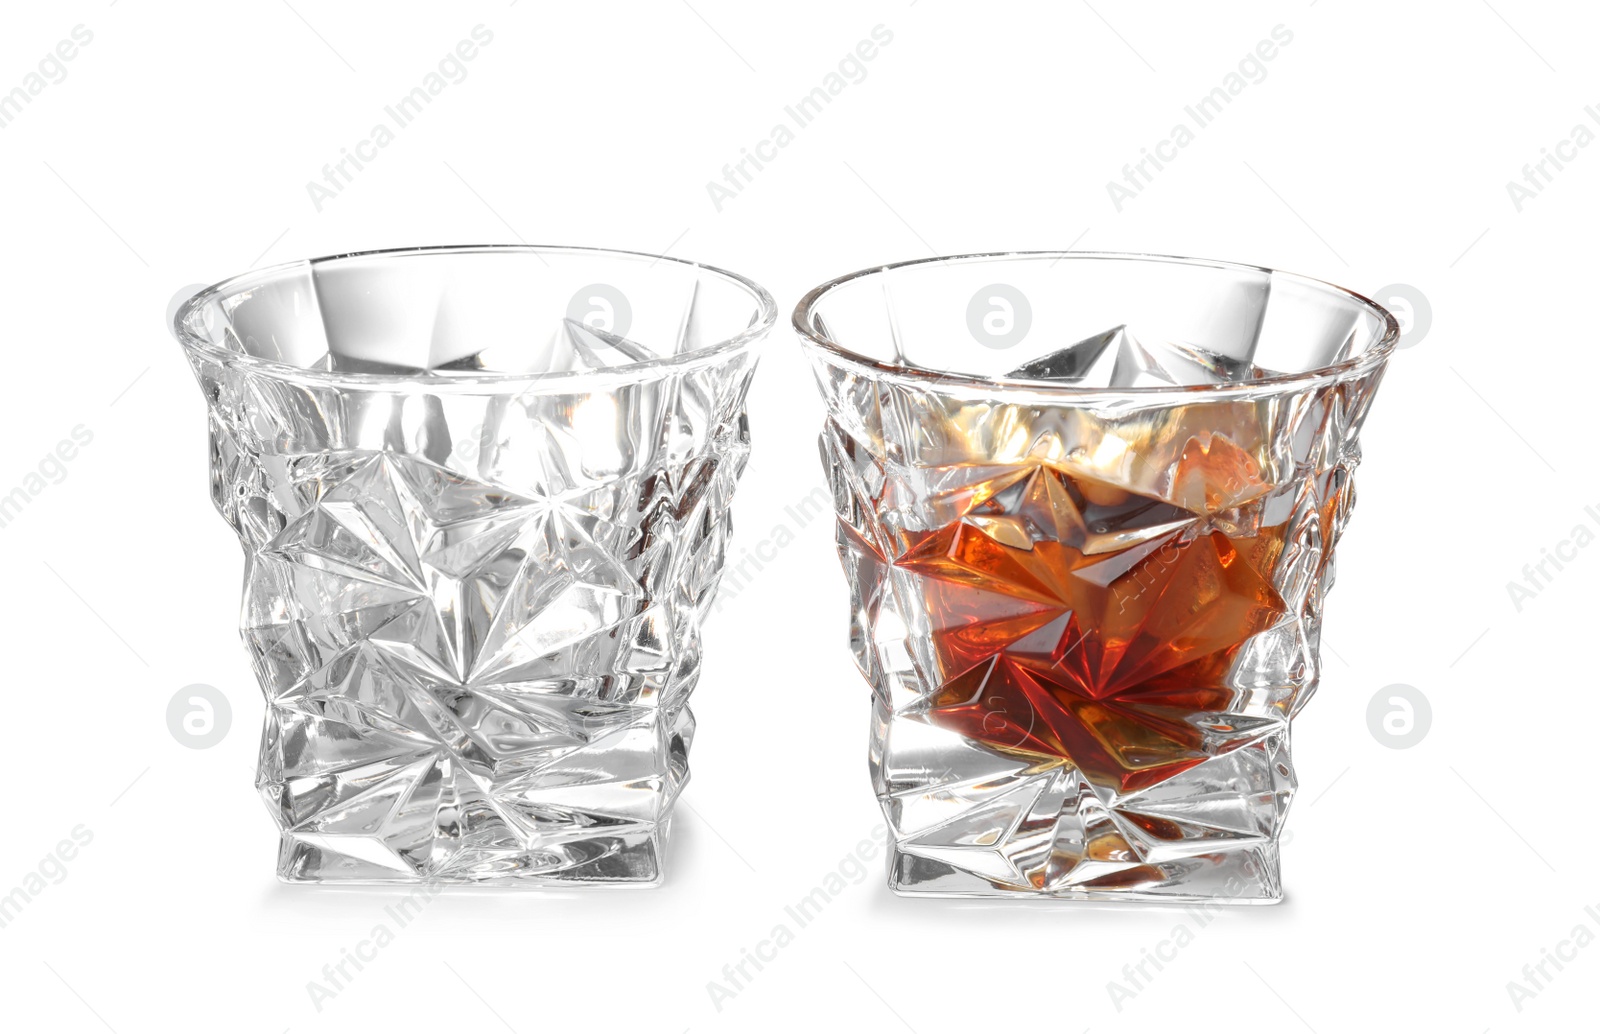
x=1075, y=619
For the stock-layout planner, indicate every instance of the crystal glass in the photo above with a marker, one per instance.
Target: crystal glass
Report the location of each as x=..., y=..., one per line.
x=483, y=495
x=1087, y=505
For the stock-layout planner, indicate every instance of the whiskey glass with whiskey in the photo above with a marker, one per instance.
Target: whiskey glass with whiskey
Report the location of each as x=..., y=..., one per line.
x=1087, y=507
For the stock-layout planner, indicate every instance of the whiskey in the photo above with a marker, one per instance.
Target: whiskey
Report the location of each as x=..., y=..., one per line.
x=1078, y=620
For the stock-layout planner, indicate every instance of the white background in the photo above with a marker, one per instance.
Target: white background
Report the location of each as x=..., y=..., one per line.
x=1376, y=151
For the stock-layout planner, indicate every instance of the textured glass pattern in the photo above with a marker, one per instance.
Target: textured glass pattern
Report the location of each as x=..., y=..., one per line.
x=484, y=497
x=1087, y=562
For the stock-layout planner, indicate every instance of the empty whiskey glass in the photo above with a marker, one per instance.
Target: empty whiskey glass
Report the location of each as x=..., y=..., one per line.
x=1087, y=506
x=483, y=495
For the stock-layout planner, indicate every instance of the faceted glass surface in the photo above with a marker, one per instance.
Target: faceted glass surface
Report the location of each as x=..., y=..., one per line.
x=483, y=495
x=1087, y=507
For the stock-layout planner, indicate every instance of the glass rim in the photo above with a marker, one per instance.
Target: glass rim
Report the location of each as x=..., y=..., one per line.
x=1371, y=357
x=566, y=380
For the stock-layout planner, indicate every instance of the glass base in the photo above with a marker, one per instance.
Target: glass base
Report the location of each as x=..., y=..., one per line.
x=1240, y=877
x=970, y=820
x=631, y=859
